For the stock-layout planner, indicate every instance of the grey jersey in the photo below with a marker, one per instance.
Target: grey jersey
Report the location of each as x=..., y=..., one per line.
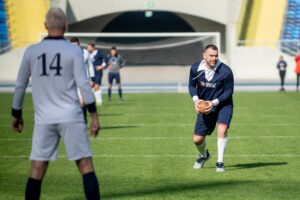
x=56, y=69
x=115, y=63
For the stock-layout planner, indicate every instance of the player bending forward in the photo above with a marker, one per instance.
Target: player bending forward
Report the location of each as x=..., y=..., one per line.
x=211, y=87
x=56, y=70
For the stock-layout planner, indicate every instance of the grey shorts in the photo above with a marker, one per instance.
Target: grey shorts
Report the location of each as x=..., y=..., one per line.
x=46, y=138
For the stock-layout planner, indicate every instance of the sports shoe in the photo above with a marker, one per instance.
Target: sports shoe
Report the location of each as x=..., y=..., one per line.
x=220, y=167
x=200, y=162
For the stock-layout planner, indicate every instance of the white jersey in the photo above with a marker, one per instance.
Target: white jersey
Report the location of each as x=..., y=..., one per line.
x=89, y=67
x=56, y=69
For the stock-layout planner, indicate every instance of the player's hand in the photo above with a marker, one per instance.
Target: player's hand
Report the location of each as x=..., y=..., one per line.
x=98, y=68
x=199, y=105
x=17, y=124
x=203, y=107
x=95, y=125
x=92, y=84
x=81, y=102
x=209, y=107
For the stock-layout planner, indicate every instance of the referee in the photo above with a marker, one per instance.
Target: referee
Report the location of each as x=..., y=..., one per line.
x=211, y=87
x=56, y=69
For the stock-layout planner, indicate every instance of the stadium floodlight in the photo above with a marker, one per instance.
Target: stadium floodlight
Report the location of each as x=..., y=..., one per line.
x=141, y=49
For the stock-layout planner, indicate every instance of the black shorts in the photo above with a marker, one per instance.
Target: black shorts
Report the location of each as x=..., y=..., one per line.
x=206, y=124
x=98, y=77
x=112, y=76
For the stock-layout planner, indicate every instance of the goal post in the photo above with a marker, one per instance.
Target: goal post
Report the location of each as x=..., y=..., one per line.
x=154, y=49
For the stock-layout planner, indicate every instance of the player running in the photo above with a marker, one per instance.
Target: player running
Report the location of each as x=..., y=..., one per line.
x=56, y=70
x=114, y=63
x=211, y=87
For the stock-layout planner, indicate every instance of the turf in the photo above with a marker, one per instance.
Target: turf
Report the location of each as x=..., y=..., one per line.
x=145, y=151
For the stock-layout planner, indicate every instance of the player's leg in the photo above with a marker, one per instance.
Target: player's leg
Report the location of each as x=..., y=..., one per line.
x=281, y=73
x=224, y=119
x=34, y=182
x=90, y=181
x=97, y=87
x=118, y=80
x=221, y=144
x=78, y=149
x=44, y=148
x=110, y=82
x=202, y=128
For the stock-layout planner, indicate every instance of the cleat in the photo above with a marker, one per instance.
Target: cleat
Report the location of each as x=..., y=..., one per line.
x=200, y=162
x=220, y=167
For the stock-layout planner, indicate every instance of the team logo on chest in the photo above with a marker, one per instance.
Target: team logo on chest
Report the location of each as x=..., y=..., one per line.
x=208, y=84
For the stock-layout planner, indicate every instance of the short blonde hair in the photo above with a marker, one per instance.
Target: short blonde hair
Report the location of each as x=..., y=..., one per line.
x=55, y=19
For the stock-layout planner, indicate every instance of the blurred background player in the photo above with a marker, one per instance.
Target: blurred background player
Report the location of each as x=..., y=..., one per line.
x=99, y=64
x=89, y=68
x=56, y=70
x=211, y=87
x=297, y=70
x=281, y=66
x=114, y=63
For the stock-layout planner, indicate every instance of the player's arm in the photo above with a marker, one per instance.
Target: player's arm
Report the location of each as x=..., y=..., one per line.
x=88, y=97
x=228, y=90
x=19, y=94
x=193, y=81
x=103, y=64
x=122, y=62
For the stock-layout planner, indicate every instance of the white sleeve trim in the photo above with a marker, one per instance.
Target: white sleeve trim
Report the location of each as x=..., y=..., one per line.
x=195, y=98
x=215, y=102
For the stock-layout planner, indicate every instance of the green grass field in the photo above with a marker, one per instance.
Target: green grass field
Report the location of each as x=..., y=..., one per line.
x=145, y=151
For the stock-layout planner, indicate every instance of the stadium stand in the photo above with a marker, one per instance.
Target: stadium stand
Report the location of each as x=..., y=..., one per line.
x=25, y=20
x=291, y=30
x=4, y=36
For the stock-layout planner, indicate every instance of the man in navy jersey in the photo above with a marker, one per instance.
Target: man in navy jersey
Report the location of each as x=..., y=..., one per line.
x=211, y=87
x=98, y=61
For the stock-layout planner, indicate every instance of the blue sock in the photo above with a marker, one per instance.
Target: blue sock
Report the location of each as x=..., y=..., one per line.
x=91, y=186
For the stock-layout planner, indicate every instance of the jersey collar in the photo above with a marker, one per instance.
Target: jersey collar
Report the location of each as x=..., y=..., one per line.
x=54, y=38
x=202, y=66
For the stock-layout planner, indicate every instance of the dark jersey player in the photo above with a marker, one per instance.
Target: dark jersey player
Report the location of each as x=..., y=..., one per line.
x=211, y=87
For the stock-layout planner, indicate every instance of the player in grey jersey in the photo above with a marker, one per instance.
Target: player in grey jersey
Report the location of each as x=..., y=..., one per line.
x=114, y=63
x=56, y=70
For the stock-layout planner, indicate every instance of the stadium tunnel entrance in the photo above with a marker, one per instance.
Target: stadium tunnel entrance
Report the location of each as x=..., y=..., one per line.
x=139, y=49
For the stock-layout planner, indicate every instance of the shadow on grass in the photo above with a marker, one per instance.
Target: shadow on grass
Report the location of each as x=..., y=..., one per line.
x=256, y=165
x=173, y=188
x=117, y=127
x=109, y=114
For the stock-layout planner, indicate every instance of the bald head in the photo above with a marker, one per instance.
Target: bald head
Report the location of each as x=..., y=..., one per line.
x=56, y=20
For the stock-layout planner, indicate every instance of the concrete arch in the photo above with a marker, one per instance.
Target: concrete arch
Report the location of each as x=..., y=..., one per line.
x=78, y=10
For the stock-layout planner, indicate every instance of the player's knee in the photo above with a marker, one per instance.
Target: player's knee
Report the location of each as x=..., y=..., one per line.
x=198, y=139
x=85, y=165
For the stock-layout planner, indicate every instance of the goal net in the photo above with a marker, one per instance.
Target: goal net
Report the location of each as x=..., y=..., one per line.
x=151, y=49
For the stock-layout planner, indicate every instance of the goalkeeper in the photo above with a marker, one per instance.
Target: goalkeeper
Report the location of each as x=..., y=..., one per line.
x=211, y=87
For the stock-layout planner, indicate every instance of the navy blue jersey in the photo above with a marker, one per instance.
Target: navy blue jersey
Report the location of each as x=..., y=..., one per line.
x=97, y=59
x=220, y=87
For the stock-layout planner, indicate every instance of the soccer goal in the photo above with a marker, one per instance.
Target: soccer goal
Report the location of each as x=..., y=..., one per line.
x=151, y=49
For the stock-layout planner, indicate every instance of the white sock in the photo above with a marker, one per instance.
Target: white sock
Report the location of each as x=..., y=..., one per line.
x=98, y=96
x=222, y=144
x=202, y=149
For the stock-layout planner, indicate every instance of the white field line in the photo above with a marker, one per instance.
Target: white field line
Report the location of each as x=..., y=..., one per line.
x=169, y=138
x=186, y=124
x=165, y=156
